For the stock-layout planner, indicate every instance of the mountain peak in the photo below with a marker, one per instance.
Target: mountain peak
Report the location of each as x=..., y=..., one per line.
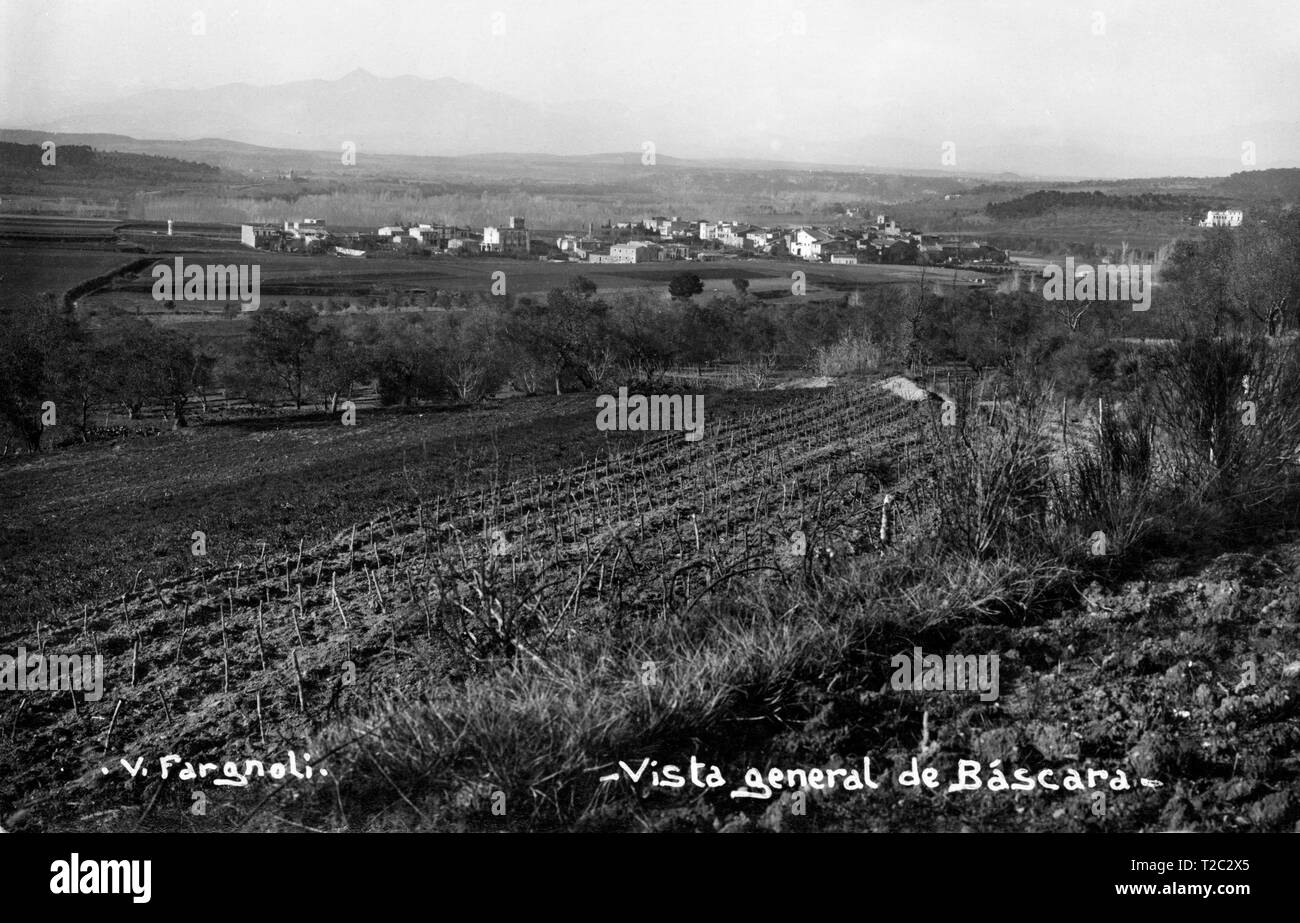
x=359, y=74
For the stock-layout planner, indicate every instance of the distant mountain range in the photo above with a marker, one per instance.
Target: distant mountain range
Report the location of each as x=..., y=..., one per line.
x=448, y=117
x=399, y=115
x=241, y=156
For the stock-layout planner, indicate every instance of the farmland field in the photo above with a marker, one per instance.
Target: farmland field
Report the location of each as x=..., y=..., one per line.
x=347, y=567
x=262, y=481
x=290, y=275
x=29, y=271
x=521, y=496
x=56, y=227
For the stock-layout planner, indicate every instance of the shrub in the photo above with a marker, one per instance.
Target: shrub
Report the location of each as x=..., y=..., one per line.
x=850, y=355
x=1108, y=485
x=1230, y=411
x=990, y=486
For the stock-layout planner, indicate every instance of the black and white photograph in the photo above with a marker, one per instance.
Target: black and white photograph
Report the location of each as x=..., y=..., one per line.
x=752, y=416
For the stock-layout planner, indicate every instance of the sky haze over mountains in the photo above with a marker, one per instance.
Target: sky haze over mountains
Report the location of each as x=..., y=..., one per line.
x=1062, y=89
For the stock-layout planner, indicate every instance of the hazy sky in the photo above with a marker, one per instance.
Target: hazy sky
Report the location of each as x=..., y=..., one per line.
x=990, y=71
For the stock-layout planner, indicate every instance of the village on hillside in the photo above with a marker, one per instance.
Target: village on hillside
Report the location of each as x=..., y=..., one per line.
x=651, y=239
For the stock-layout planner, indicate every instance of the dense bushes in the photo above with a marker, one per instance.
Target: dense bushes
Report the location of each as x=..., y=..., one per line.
x=52, y=370
x=572, y=338
x=1231, y=409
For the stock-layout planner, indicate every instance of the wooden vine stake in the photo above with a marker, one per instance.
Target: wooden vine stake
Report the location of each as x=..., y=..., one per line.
x=166, y=710
x=261, y=651
x=297, y=670
x=180, y=642
x=225, y=651
x=338, y=604
x=112, y=721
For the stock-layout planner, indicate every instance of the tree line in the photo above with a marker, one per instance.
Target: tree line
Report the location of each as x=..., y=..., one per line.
x=1045, y=201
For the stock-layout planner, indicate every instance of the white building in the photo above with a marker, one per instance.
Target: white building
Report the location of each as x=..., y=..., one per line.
x=309, y=228
x=806, y=244
x=262, y=236
x=1228, y=218
x=511, y=240
x=577, y=246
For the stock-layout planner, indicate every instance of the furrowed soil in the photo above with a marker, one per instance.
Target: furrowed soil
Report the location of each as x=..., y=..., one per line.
x=81, y=523
x=248, y=655
x=198, y=654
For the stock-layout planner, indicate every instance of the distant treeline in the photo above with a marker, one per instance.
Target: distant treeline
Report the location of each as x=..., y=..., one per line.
x=1045, y=201
x=1281, y=184
x=87, y=164
x=1044, y=245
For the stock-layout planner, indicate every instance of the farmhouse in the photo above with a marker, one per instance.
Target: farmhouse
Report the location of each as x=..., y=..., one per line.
x=888, y=226
x=735, y=235
x=636, y=251
x=676, y=228
x=814, y=244
x=577, y=245
x=427, y=234
x=306, y=229
x=511, y=240
x=1228, y=218
x=261, y=236
x=807, y=243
